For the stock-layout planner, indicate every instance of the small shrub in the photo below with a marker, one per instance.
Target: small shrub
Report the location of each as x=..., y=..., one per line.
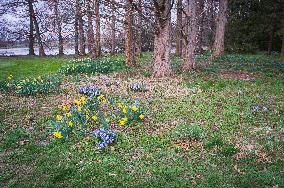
x=215, y=140
x=191, y=132
x=229, y=150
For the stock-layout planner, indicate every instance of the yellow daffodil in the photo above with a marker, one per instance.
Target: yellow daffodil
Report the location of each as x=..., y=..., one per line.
x=35, y=80
x=70, y=124
x=124, y=110
x=10, y=77
x=28, y=80
x=87, y=116
x=141, y=116
x=19, y=87
x=68, y=114
x=64, y=108
x=41, y=81
x=83, y=98
x=94, y=118
x=57, y=135
x=119, y=105
x=79, y=109
x=125, y=119
x=39, y=77
x=84, y=102
x=104, y=101
x=134, y=108
x=77, y=102
x=121, y=122
x=59, y=117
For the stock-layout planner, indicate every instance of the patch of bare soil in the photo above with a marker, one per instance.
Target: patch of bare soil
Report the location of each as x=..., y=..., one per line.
x=236, y=75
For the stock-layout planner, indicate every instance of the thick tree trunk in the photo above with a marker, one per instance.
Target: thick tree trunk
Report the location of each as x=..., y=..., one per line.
x=189, y=57
x=41, y=49
x=218, y=46
x=113, y=20
x=91, y=39
x=58, y=25
x=270, y=42
x=179, y=29
x=76, y=37
x=98, y=27
x=139, y=31
x=282, y=48
x=31, y=33
x=162, y=41
x=129, y=48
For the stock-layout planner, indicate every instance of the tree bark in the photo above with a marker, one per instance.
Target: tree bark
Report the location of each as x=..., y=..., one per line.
x=139, y=31
x=59, y=28
x=162, y=41
x=81, y=33
x=129, y=48
x=191, y=36
x=76, y=37
x=31, y=8
x=218, y=46
x=113, y=20
x=282, y=48
x=179, y=29
x=91, y=39
x=199, y=17
x=207, y=25
x=98, y=27
x=31, y=33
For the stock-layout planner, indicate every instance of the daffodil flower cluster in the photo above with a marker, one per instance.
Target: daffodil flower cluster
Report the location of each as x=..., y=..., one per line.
x=87, y=114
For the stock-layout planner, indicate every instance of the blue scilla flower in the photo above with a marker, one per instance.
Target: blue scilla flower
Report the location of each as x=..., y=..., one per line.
x=264, y=109
x=106, y=137
x=255, y=108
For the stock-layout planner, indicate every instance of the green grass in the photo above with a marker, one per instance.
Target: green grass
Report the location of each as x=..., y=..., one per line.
x=188, y=141
x=21, y=67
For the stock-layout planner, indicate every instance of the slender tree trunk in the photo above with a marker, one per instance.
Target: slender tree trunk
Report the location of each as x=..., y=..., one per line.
x=113, y=20
x=129, y=48
x=139, y=31
x=189, y=58
x=199, y=17
x=207, y=25
x=58, y=24
x=81, y=33
x=282, y=48
x=218, y=46
x=162, y=41
x=91, y=39
x=41, y=49
x=179, y=29
x=270, y=42
x=76, y=37
x=98, y=27
x=31, y=33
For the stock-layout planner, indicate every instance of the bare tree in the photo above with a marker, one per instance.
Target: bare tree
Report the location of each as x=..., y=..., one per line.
x=129, y=47
x=31, y=33
x=139, y=31
x=90, y=34
x=59, y=27
x=113, y=20
x=98, y=27
x=179, y=29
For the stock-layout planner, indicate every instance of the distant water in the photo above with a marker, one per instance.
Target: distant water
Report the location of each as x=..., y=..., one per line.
x=25, y=51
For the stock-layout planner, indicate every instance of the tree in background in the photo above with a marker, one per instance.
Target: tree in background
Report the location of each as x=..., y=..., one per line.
x=129, y=45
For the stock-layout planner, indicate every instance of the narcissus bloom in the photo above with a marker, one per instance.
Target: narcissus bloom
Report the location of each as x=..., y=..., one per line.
x=79, y=109
x=119, y=105
x=57, y=135
x=59, y=117
x=125, y=119
x=68, y=114
x=94, y=118
x=83, y=98
x=70, y=124
x=64, y=108
x=141, y=116
x=121, y=122
x=124, y=110
x=77, y=102
x=134, y=108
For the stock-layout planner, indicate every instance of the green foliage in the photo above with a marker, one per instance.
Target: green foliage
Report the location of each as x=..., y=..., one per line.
x=10, y=140
x=214, y=140
x=191, y=132
x=229, y=150
x=92, y=66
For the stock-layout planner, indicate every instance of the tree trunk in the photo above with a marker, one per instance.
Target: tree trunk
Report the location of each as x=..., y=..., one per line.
x=112, y=51
x=76, y=37
x=179, y=29
x=270, y=42
x=191, y=36
x=282, y=48
x=139, y=31
x=207, y=25
x=218, y=46
x=81, y=32
x=199, y=17
x=41, y=49
x=31, y=33
x=98, y=27
x=162, y=41
x=91, y=39
x=129, y=48
x=58, y=24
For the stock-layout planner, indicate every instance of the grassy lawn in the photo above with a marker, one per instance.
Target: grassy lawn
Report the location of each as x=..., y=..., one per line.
x=219, y=126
